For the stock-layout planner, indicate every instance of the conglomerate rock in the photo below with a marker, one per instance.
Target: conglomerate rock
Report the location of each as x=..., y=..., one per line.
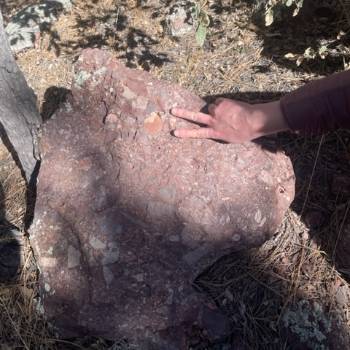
x=127, y=214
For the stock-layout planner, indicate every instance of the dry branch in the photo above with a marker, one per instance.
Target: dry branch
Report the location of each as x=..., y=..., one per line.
x=19, y=117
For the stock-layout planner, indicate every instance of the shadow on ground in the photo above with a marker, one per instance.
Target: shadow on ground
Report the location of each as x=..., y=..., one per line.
x=10, y=252
x=10, y=246
x=6, y=6
x=98, y=26
x=314, y=27
x=110, y=28
x=317, y=25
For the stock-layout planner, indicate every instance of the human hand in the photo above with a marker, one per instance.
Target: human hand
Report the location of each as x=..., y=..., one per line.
x=233, y=121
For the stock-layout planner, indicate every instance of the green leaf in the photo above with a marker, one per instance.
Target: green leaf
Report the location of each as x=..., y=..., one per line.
x=269, y=17
x=323, y=51
x=300, y=60
x=290, y=56
x=299, y=6
x=197, y=10
x=296, y=11
x=201, y=34
x=310, y=53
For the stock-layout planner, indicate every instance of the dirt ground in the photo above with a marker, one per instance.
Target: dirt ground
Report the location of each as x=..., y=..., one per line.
x=291, y=293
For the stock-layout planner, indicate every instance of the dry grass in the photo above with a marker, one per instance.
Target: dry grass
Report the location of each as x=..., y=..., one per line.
x=9, y=7
x=12, y=189
x=257, y=288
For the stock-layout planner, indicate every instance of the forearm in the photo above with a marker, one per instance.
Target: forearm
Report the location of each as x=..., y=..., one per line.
x=320, y=106
x=268, y=118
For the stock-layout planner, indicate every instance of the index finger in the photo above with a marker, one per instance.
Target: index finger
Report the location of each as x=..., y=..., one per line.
x=201, y=133
x=196, y=117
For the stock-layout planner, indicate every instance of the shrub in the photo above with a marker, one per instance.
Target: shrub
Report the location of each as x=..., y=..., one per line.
x=273, y=7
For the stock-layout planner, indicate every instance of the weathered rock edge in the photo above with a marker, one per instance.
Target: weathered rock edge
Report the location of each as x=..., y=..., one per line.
x=126, y=214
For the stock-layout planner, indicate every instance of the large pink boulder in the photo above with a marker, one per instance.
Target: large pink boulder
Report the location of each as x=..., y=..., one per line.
x=127, y=214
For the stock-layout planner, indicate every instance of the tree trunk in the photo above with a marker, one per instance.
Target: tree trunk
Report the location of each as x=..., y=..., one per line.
x=19, y=117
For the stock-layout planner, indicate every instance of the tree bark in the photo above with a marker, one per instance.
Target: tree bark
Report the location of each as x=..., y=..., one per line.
x=19, y=117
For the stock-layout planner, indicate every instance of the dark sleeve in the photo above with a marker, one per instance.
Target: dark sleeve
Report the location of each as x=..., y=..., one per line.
x=320, y=106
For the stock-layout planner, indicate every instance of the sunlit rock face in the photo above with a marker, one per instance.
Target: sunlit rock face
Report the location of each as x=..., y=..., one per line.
x=127, y=215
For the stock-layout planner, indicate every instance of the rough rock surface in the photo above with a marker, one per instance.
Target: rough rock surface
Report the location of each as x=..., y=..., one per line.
x=127, y=214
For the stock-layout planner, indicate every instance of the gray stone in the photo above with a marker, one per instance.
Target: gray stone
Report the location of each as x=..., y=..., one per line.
x=23, y=28
x=152, y=3
x=342, y=295
x=146, y=211
x=180, y=19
